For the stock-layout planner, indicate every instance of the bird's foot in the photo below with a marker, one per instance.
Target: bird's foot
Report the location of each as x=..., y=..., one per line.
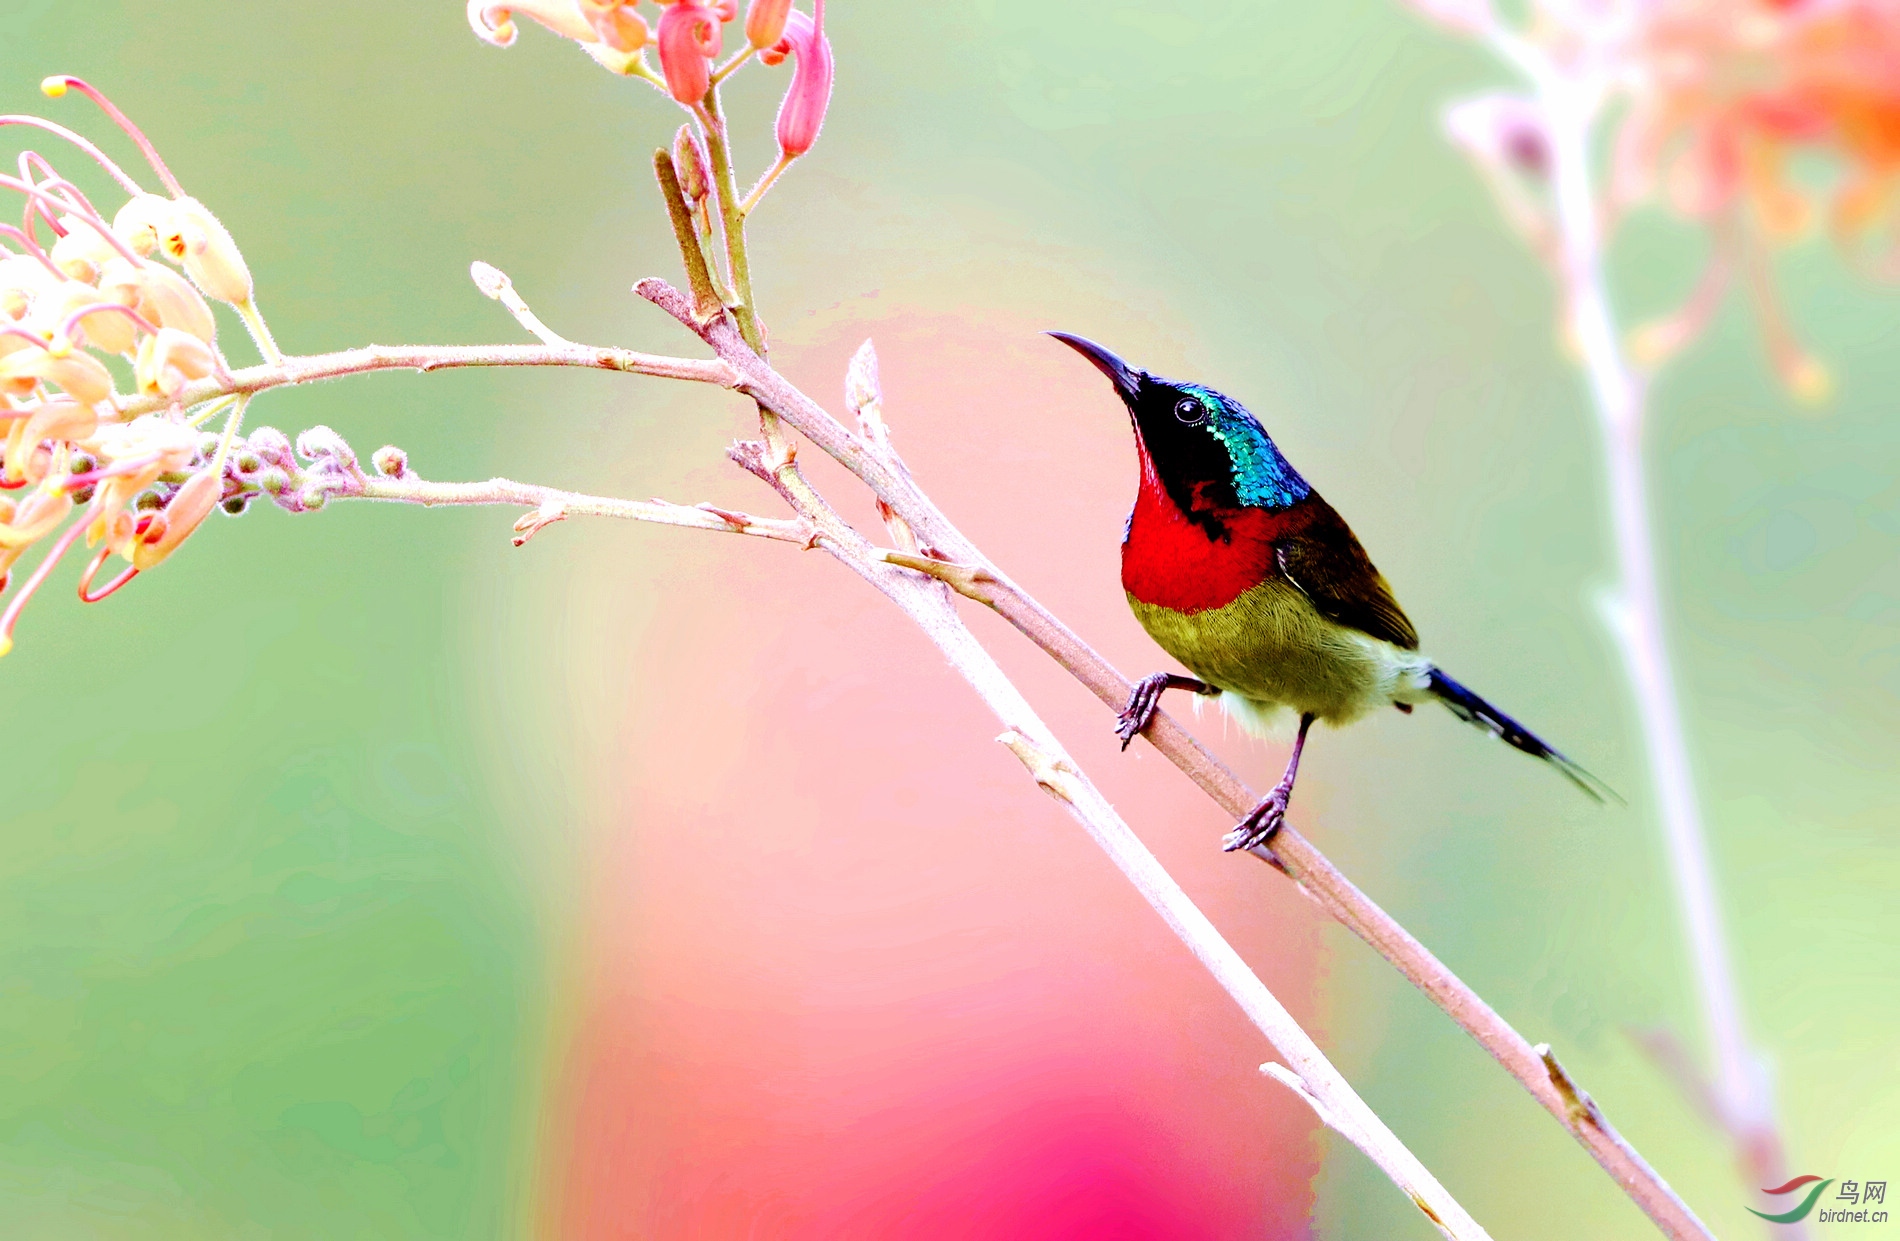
x=1141, y=707
x=1146, y=700
x=1261, y=823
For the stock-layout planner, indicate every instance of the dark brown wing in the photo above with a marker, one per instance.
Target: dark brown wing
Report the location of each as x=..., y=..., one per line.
x=1326, y=562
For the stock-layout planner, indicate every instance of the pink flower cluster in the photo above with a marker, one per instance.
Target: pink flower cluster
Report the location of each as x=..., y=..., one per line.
x=688, y=36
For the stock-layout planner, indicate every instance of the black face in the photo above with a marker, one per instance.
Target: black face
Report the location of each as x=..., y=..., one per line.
x=1177, y=424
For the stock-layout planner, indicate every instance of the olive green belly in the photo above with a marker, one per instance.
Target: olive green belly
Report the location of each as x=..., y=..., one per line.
x=1272, y=646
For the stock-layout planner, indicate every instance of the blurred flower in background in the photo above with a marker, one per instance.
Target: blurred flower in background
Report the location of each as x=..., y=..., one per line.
x=1721, y=101
x=1725, y=97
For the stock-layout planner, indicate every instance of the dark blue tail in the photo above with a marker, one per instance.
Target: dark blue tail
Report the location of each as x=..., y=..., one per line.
x=1472, y=709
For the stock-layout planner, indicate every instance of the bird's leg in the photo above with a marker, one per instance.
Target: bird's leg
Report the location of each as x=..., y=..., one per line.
x=1265, y=819
x=1147, y=696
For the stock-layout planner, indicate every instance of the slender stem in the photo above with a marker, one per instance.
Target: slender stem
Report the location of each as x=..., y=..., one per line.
x=732, y=222
x=259, y=330
x=732, y=66
x=231, y=426
x=84, y=144
x=1635, y=620
x=209, y=411
x=57, y=85
x=706, y=299
x=552, y=501
x=765, y=183
x=302, y=370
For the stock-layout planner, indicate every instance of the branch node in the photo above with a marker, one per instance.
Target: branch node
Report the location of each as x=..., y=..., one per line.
x=737, y=520
x=672, y=301
x=1292, y=1081
x=530, y=524
x=1056, y=776
x=966, y=580
x=1579, y=1107
x=779, y=458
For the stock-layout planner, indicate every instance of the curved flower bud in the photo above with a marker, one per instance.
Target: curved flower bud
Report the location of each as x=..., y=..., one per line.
x=765, y=22
x=61, y=420
x=324, y=448
x=390, y=461
x=689, y=160
x=615, y=24
x=161, y=295
x=15, y=378
x=493, y=22
x=273, y=446
x=204, y=247
x=37, y=516
x=80, y=375
x=172, y=359
x=802, y=112
x=141, y=220
x=82, y=251
x=688, y=38
x=105, y=329
x=22, y=278
x=189, y=506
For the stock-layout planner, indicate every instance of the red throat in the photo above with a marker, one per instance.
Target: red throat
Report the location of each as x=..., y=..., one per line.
x=1169, y=560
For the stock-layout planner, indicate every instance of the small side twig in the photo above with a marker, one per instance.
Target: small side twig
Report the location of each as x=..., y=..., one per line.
x=706, y=300
x=494, y=282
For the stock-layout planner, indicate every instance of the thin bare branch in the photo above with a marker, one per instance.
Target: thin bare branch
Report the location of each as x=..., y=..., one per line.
x=552, y=504
x=494, y=282
x=303, y=370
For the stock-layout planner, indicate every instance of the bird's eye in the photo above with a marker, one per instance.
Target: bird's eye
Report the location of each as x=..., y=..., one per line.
x=1190, y=411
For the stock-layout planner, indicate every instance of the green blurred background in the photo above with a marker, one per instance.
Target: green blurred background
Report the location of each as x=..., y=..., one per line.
x=300, y=918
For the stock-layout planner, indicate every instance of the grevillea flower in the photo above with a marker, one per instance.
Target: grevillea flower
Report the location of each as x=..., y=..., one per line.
x=1729, y=90
x=689, y=38
x=611, y=31
x=94, y=290
x=494, y=23
x=802, y=112
x=765, y=22
x=616, y=24
x=1725, y=94
x=1718, y=98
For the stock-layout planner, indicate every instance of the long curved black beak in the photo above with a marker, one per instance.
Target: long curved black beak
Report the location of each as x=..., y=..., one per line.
x=1127, y=379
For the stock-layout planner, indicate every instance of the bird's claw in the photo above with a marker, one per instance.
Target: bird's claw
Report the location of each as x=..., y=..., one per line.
x=1261, y=823
x=1141, y=707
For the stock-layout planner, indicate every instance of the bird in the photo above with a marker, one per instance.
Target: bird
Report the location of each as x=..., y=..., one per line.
x=1237, y=568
